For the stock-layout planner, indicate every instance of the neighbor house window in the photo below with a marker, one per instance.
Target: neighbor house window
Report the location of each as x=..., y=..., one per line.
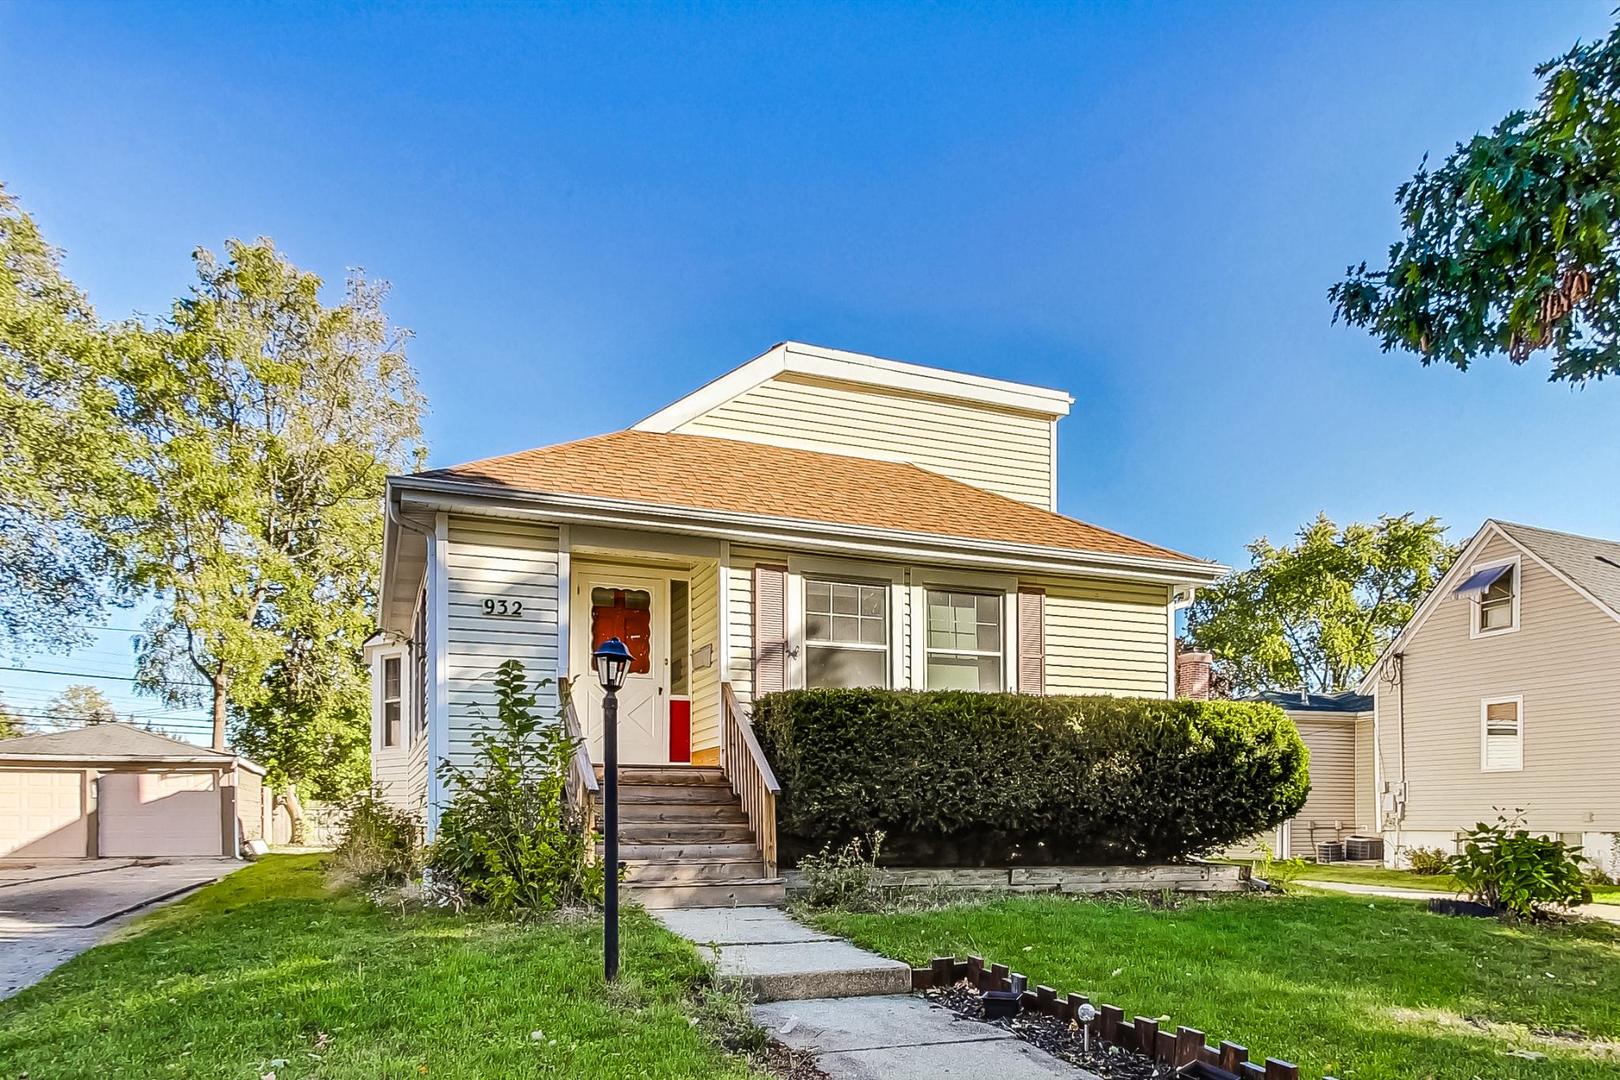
x=964, y=641
x=846, y=634
x=1493, y=591
x=1496, y=605
x=390, y=701
x=1502, y=735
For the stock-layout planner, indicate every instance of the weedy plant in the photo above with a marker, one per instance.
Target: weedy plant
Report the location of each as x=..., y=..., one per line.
x=845, y=877
x=508, y=841
x=381, y=843
x=1427, y=861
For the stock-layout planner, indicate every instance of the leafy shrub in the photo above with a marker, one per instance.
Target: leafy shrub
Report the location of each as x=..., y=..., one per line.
x=956, y=778
x=844, y=877
x=1427, y=861
x=380, y=844
x=1506, y=868
x=508, y=841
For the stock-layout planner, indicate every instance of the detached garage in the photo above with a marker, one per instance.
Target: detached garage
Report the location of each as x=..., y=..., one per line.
x=112, y=790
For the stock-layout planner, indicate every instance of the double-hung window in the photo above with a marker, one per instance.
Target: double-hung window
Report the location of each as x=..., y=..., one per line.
x=1493, y=591
x=964, y=641
x=846, y=633
x=391, y=700
x=1501, y=734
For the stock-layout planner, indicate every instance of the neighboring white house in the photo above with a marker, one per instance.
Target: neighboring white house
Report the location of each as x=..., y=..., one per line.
x=1503, y=691
x=812, y=518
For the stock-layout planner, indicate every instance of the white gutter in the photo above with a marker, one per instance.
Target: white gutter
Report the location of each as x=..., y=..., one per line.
x=455, y=495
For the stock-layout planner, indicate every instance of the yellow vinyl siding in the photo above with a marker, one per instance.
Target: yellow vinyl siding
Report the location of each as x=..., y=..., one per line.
x=1330, y=809
x=1564, y=660
x=705, y=632
x=1010, y=453
x=1105, y=637
x=494, y=558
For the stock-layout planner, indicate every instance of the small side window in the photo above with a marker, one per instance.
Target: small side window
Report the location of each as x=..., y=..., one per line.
x=1501, y=734
x=391, y=701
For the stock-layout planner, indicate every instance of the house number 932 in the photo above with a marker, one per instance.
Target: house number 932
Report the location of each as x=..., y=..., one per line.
x=509, y=608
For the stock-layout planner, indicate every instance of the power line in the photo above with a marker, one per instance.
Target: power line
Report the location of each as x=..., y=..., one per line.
x=95, y=675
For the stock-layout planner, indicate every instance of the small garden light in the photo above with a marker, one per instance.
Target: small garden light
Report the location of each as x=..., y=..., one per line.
x=612, y=661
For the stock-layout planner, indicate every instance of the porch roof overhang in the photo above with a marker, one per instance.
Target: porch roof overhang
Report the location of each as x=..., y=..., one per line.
x=420, y=497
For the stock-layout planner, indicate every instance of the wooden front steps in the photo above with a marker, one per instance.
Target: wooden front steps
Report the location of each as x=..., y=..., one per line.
x=685, y=842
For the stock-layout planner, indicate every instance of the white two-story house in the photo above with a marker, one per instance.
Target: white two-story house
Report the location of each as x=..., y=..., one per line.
x=1503, y=691
x=811, y=518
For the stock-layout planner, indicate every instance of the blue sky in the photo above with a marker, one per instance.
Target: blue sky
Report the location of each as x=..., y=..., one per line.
x=587, y=212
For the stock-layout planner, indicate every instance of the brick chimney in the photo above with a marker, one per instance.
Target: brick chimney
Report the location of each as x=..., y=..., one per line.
x=1192, y=674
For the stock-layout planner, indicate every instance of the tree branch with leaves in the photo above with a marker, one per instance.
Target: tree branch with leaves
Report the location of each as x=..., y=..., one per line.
x=1510, y=245
x=1314, y=615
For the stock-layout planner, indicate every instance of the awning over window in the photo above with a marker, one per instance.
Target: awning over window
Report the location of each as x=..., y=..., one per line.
x=1480, y=580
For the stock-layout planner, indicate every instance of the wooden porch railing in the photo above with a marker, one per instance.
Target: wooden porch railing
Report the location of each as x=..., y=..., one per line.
x=750, y=774
x=581, y=789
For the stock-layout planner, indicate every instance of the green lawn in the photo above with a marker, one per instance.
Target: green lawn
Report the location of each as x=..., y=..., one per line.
x=1342, y=986
x=268, y=966
x=1405, y=879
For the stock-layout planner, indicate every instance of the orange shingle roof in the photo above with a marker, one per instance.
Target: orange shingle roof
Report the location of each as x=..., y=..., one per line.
x=727, y=475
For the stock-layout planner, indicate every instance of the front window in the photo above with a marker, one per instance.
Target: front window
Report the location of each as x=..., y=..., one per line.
x=1496, y=604
x=390, y=701
x=964, y=641
x=846, y=634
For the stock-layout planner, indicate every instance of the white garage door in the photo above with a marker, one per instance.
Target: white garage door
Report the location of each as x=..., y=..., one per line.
x=42, y=813
x=159, y=813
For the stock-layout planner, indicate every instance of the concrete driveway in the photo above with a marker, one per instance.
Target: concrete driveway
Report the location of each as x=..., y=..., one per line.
x=52, y=911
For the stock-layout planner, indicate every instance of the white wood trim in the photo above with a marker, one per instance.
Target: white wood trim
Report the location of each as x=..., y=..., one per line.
x=1474, y=630
x=1053, y=502
x=1517, y=701
x=438, y=658
x=845, y=570
x=839, y=365
x=1006, y=585
x=773, y=532
x=564, y=592
x=722, y=630
x=379, y=658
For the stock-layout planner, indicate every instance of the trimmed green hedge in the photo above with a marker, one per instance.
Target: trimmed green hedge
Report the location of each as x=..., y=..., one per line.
x=967, y=779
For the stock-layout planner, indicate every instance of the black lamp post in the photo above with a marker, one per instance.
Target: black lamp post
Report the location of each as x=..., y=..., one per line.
x=612, y=664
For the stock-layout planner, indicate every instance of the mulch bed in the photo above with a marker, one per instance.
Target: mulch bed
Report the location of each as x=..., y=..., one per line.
x=786, y=1063
x=1055, y=1036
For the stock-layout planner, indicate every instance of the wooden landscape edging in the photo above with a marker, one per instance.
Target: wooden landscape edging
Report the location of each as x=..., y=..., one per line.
x=1191, y=877
x=1183, y=1047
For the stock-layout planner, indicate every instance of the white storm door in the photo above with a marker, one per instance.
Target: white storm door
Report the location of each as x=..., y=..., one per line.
x=634, y=609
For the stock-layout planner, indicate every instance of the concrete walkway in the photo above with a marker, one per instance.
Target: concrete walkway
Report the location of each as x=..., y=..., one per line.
x=1605, y=912
x=853, y=1009
x=49, y=913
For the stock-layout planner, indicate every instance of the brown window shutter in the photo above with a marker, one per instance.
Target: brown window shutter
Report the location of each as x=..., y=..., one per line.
x=770, y=629
x=1031, y=641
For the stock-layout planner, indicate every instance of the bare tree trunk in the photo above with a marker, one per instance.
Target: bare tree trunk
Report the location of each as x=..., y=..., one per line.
x=295, y=812
x=220, y=687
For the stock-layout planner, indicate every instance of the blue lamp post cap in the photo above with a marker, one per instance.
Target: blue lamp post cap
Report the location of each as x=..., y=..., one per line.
x=611, y=649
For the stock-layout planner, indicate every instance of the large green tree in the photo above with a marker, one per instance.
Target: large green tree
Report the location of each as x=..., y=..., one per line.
x=271, y=422
x=1314, y=615
x=78, y=705
x=64, y=496
x=1510, y=245
x=11, y=725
